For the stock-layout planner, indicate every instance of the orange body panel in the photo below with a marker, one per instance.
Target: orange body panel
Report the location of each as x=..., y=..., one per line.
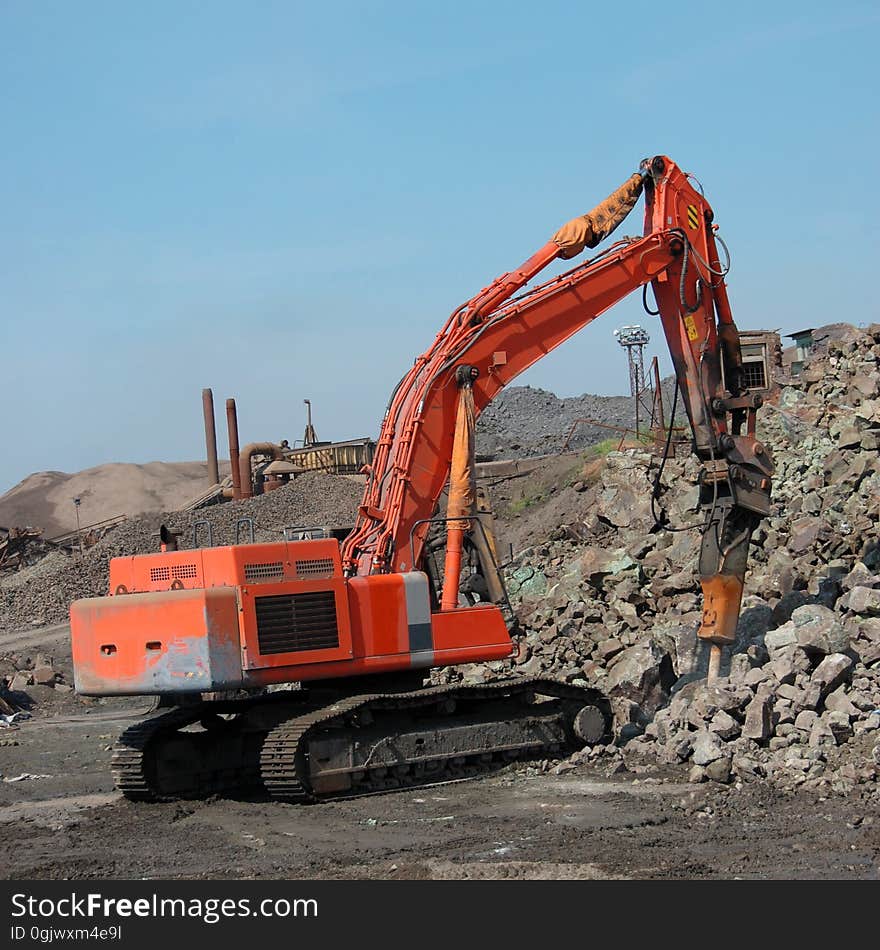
x=179, y=641
x=254, y=658
x=257, y=614
x=463, y=633
x=378, y=612
x=226, y=566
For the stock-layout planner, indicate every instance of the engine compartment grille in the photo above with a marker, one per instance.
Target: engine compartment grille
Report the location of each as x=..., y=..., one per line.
x=292, y=623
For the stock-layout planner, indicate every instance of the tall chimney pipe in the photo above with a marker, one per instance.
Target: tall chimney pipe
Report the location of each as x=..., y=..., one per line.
x=232, y=423
x=210, y=437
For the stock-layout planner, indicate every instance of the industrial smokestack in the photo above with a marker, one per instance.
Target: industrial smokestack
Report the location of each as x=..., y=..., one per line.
x=232, y=424
x=210, y=437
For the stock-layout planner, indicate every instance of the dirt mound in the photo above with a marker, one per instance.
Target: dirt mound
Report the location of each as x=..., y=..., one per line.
x=529, y=507
x=45, y=499
x=524, y=421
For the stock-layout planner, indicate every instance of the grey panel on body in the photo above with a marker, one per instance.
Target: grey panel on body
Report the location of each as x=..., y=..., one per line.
x=418, y=618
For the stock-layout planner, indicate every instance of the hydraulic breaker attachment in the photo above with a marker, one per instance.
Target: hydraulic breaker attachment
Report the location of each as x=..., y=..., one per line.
x=735, y=495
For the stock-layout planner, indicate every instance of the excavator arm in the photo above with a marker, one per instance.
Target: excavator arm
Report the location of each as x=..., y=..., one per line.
x=495, y=336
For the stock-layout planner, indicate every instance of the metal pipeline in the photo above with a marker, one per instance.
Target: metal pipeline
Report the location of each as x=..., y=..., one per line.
x=245, y=482
x=210, y=437
x=232, y=425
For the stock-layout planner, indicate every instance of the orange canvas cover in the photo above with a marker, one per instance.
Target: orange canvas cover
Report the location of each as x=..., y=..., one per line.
x=462, y=476
x=589, y=229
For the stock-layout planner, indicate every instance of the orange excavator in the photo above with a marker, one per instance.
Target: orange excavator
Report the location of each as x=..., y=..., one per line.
x=347, y=632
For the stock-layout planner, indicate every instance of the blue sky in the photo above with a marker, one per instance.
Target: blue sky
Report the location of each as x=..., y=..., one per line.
x=285, y=200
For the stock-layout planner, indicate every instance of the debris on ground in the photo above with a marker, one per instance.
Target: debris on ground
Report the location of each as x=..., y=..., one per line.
x=9, y=720
x=24, y=777
x=21, y=547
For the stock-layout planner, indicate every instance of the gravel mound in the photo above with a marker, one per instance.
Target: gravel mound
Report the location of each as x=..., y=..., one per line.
x=42, y=594
x=524, y=421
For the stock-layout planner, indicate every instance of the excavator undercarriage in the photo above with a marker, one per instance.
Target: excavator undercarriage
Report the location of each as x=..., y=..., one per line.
x=309, y=744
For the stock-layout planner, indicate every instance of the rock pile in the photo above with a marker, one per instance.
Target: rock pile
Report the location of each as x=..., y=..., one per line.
x=42, y=594
x=23, y=670
x=812, y=685
x=611, y=600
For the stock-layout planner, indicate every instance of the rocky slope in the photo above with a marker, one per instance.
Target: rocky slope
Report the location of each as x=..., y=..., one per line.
x=610, y=599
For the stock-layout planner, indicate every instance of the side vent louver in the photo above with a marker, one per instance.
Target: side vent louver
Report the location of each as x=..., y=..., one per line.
x=273, y=570
x=317, y=567
x=176, y=572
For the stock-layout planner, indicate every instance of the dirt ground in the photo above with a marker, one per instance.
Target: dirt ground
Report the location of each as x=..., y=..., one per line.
x=66, y=820
x=531, y=505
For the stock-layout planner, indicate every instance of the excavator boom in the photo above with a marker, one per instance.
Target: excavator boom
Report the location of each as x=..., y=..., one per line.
x=497, y=338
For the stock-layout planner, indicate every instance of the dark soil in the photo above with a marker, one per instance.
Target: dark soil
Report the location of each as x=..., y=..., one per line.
x=66, y=821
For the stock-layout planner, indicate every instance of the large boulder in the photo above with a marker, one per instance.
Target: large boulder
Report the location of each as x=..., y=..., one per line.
x=864, y=601
x=624, y=501
x=642, y=675
x=528, y=582
x=818, y=630
x=831, y=672
x=758, y=724
x=708, y=747
x=804, y=533
x=778, y=641
x=595, y=563
x=678, y=638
